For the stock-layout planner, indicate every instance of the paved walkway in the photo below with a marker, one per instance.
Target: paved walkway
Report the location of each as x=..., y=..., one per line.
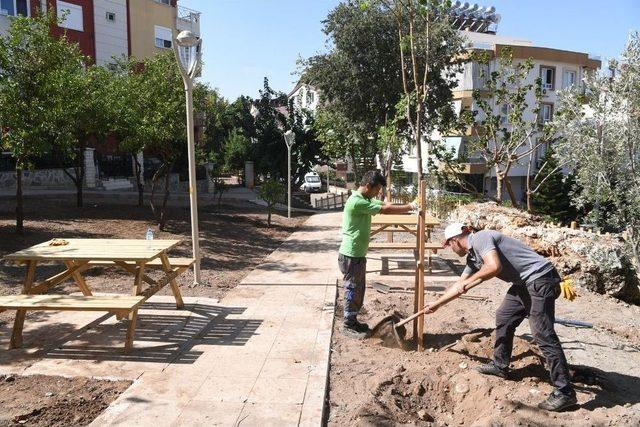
x=259, y=357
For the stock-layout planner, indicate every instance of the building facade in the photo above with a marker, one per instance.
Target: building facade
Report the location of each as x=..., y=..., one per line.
x=558, y=69
x=108, y=29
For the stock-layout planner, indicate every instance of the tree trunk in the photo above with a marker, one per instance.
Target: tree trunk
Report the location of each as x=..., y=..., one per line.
x=269, y=215
x=512, y=196
x=163, y=211
x=529, y=208
x=19, y=201
x=154, y=181
x=140, y=184
x=498, y=187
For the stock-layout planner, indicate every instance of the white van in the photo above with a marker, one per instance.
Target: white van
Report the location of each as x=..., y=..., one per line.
x=312, y=183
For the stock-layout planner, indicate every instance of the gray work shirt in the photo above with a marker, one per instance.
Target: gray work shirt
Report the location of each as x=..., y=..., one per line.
x=520, y=263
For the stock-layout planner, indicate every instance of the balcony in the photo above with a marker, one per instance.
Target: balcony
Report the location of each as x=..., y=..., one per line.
x=188, y=19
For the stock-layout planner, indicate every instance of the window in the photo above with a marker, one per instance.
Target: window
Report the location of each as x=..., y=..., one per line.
x=14, y=7
x=164, y=2
x=164, y=37
x=310, y=97
x=504, y=114
x=546, y=113
x=111, y=17
x=548, y=76
x=74, y=17
x=568, y=78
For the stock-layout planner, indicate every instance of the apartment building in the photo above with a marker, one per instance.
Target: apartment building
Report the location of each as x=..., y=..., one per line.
x=153, y=23
x=107, y=29
x=558, y=69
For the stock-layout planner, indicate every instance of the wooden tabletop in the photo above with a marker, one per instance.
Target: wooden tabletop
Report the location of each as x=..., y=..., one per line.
x=401, y=219
x=95, y=250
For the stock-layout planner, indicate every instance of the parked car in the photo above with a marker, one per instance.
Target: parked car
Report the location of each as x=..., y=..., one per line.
x=311, y=183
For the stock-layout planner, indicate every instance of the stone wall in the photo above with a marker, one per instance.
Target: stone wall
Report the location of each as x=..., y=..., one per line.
x=600, y=263
x=37, y=179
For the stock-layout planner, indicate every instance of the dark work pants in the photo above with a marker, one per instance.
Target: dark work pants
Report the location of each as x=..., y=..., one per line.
x=537, y=300
x=354, y=272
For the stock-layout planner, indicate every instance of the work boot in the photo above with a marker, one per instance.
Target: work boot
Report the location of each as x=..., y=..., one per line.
x=491, y=369
x=557, y=401
x=354, y=328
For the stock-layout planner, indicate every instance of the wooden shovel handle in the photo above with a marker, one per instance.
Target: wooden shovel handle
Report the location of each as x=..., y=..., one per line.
x=443, y=302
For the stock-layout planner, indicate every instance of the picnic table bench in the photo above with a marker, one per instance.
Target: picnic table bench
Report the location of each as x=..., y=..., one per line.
x=78, y=255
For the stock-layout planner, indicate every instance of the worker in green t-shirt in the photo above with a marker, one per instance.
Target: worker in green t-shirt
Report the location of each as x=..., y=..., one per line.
x=356, y=229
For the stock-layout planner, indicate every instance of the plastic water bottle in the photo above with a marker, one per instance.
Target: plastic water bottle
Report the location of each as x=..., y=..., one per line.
x=149, y=236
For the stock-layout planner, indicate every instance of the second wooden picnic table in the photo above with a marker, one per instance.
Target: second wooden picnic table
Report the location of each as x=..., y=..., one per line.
x=78, y=255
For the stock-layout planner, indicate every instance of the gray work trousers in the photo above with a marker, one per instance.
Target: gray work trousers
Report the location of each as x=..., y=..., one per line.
x=354, y=271
x=536, y=300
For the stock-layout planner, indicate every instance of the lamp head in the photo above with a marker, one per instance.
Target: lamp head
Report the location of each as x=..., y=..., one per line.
x=187, y=39
x=289, y=137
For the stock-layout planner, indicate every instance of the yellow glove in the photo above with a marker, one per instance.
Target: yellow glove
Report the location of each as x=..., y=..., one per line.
x=567, y=290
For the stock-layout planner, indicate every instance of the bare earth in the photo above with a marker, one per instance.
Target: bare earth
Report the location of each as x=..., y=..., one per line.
x=234, y=239
x=55, y=401
x=374, y=385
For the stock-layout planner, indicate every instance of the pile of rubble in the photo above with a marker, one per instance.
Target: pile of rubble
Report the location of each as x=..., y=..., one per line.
x=600, y=263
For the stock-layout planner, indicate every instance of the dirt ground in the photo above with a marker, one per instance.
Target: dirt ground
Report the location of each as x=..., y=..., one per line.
x=55, y=401
x=372, y=385
x=234, y=239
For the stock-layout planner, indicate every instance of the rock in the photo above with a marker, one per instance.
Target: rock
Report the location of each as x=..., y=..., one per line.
x=419, y=390
x=9, y=379
x=534, y=391
x=407, y=380
x=463, y=365
x=49, y=394
x=462, y=388
x=422, y=414
x=601, y=264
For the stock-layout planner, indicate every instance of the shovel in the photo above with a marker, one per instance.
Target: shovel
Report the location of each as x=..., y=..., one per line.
x=391, y=329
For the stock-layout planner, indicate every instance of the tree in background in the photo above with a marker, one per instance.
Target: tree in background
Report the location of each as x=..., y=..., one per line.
x=430, y=54
x=306, y=152
x=601, y=141
x=126, y=91
x=163, y=126
x=550, y=190
x=236, y=150
x=91, y=109
x=342, y=139
x=35, y=74
x=507, y=127
x=359, y=80
x=270, y=151
x=272, y=192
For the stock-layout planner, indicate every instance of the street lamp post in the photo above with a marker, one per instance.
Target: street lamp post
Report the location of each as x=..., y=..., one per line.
x=188, y=54
x=289, y=139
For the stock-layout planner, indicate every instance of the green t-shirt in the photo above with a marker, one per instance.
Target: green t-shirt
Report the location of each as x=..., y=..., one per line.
x=356, y=224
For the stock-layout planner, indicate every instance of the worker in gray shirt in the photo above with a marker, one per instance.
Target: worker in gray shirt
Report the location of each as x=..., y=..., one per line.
x=535, y=287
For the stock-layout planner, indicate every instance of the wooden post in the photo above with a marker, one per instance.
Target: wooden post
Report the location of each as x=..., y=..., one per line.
x=18, y=324
x=574, y=225
x=79, y=279
x=421, y=255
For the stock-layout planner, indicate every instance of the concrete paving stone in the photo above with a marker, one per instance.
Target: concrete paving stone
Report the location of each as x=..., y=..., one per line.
x=286, y=368
x=269, y=415
x=218, y=364
x=312, y=407
x=139, y=412
x=221, y=389
x=278, y=390
x=197, y=413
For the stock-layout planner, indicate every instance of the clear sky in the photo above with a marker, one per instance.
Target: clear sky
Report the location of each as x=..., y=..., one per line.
x=246, y=40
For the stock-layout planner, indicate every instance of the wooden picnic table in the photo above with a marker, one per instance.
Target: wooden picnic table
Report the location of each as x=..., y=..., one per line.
x=401, y=222
x=78, y=255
